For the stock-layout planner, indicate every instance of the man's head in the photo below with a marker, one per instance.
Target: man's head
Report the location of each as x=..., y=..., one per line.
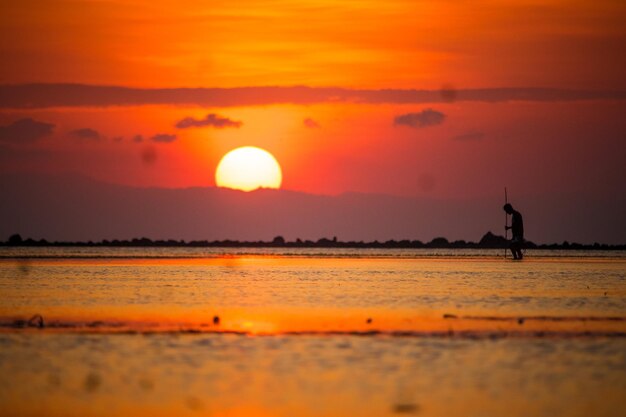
x=508, y=208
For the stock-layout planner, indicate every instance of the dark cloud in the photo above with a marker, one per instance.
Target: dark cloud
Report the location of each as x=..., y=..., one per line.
x=118, y=139
x=448, y=93
x=311, y=124
x=25, y=131
x=425, y=118
x=138, y=139
x=470, y=136
x=212, y=120
x=86, y=133
x=163, y=138
x=149, y=155
x=78, y=95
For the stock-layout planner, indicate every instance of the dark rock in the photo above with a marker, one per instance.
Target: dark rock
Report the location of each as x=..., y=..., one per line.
x=15, y=239
x=406, y=408
x=438, y=242
x=278, y=241
x=489, y=240
x=36, y=321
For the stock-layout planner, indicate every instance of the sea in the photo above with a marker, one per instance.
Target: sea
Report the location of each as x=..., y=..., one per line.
x=94, y=331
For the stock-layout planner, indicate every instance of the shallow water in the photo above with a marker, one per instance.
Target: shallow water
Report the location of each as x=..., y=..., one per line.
x=304, y=332
x=165, y=375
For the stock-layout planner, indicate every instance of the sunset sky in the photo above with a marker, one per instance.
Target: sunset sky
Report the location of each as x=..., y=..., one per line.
x=442, y=99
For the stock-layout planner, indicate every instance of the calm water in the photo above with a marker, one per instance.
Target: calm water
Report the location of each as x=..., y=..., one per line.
x=262, y=332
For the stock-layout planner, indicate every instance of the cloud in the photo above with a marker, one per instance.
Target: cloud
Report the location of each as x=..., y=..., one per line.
x=163, y=138
x=79, y=95
x=86, y=133
x=25, y=131
x=138, y=139
x=149, y=155
x=473, y=135
x=212, y=120
x=448, y=93
x=425, y=118
x=311, y=124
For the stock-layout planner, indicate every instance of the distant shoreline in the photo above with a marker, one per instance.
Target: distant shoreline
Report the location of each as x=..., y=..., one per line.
x=488, y=241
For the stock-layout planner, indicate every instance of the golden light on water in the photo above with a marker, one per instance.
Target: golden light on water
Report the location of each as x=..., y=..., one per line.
x=308, y=336
x=248, y=168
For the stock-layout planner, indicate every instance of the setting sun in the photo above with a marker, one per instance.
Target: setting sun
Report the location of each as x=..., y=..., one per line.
x=248, y=168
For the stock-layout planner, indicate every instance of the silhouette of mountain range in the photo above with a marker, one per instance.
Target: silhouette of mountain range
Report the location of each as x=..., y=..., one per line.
x=70, y=208
x=488, y=241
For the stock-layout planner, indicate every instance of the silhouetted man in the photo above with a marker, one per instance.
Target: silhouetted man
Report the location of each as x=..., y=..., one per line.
x=517, y=228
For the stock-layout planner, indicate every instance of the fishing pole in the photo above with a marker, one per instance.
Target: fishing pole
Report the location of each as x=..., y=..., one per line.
x=506, y=222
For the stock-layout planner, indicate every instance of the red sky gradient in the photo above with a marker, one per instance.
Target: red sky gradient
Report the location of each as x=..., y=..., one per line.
x=532, y=145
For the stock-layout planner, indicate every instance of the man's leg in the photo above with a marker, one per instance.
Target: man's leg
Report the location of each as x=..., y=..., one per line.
x=516, y=249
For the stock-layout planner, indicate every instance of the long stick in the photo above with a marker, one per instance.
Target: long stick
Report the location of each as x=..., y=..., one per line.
x=506, y=222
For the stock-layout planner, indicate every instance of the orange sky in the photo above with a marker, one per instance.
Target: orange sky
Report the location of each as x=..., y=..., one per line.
x=533, y=145
x=352, y=43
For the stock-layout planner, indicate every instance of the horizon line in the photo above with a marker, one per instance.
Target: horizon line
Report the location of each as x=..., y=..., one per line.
x=488, y=241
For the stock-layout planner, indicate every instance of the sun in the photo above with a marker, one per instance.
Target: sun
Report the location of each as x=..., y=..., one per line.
x=248, y=168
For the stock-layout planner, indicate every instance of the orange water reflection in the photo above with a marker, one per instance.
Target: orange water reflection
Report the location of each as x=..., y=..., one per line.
x=277, y=294
x=312, y=336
